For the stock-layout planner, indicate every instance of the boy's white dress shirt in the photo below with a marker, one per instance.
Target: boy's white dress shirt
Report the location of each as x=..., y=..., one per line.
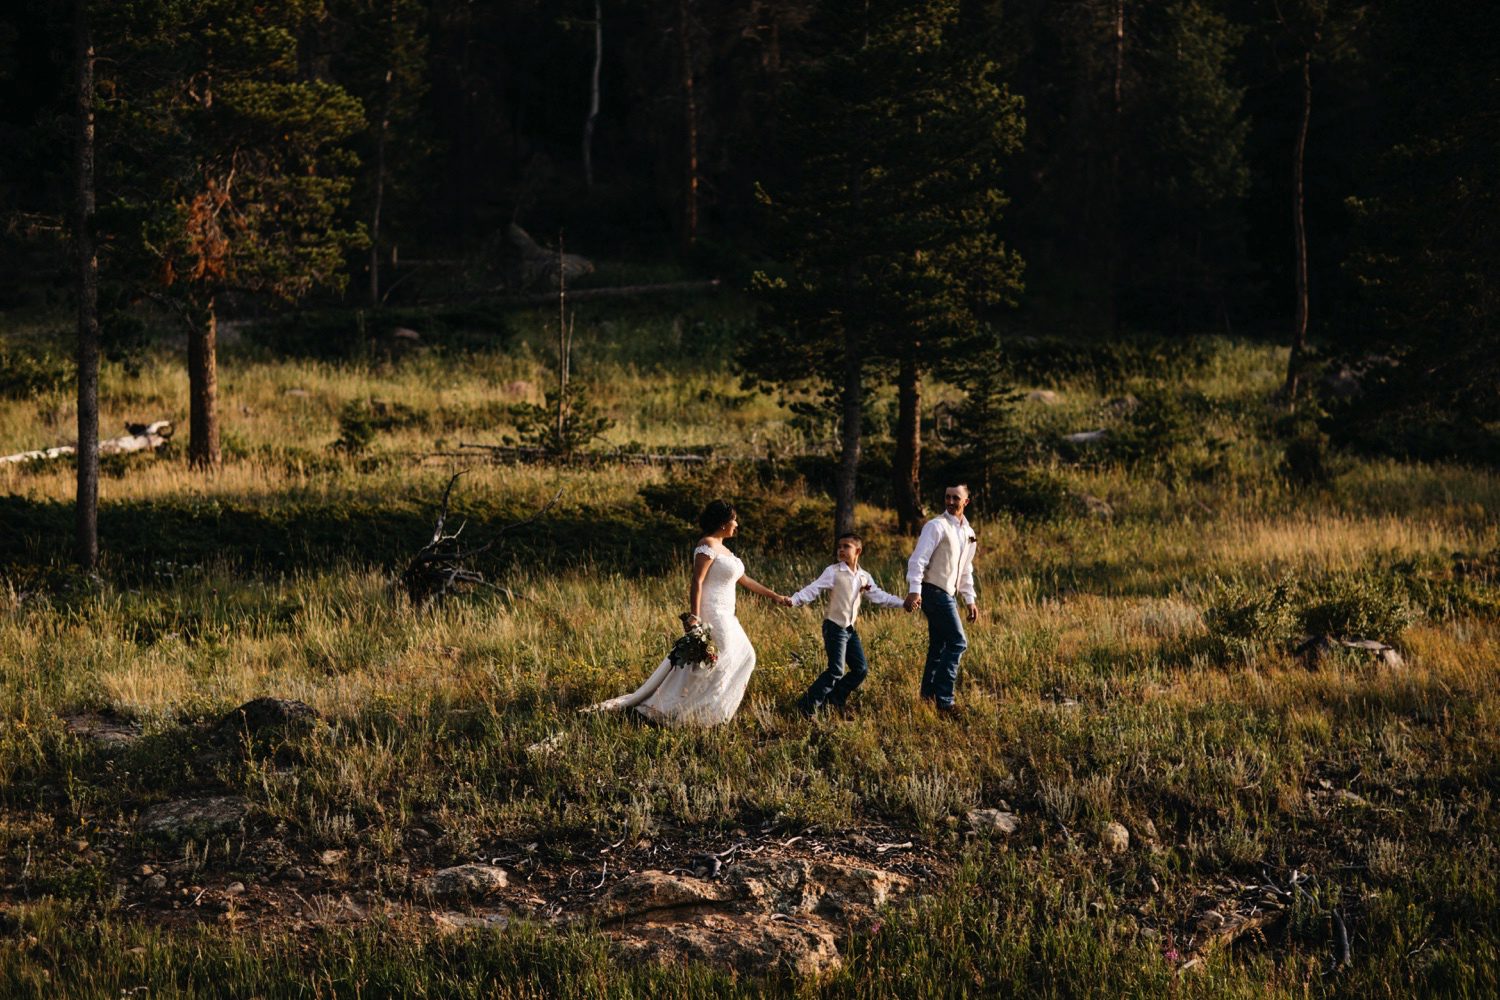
x=944, y=557
x=848, y=586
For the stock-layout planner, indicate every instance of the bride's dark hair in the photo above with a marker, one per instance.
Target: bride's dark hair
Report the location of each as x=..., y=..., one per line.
x=717, y=514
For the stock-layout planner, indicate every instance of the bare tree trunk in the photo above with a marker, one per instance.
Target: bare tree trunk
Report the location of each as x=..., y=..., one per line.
x=564, y=350
x=690, y=131
x=850, y=429
x=906, y=470
x=203, y=388
x=588, y=123
x=1112, y=278
x=86, y=508
x=1299, y=229
x=381, y=136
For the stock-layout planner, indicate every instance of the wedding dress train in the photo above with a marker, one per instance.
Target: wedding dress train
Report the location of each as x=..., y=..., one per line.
x=678, y=696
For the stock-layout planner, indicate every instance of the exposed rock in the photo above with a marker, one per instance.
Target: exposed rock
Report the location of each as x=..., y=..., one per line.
x=994, y=821
x=263, y=718
x=1086, y=437
x=1122, y=405
x=1115, y=837
x=750, y=945
x=450, y=923
x=464, y=882
x=536, y=264
x=1044, y=396
x=653, y=891
x=406, y=333
x=104, y=730
x=331, y=857
x=156, y=882
x=194, y=817
x=1378, y=651
x=760, y=916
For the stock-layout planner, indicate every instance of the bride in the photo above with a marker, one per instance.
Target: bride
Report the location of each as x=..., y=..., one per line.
x=676, y=696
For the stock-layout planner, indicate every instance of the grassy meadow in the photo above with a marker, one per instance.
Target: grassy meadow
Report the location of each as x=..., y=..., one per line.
x=1135, y=669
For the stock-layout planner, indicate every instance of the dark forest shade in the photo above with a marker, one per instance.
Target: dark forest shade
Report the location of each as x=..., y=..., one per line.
x=1153, y=190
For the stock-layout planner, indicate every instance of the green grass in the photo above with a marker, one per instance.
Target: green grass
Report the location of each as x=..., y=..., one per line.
x=1095, y=691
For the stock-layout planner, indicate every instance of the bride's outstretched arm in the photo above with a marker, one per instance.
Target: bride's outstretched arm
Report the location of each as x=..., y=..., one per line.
x=701, y=562
x=763, y=590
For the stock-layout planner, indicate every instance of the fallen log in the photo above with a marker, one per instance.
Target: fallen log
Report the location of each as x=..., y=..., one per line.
x=620, y=291
x=515, y=453
x=574, y=295
x=139, y=437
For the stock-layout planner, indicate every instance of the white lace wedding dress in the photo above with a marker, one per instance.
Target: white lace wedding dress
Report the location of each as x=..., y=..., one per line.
x=683, y=696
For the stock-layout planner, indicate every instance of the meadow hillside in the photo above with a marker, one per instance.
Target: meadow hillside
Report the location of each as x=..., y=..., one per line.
x=1321, y=822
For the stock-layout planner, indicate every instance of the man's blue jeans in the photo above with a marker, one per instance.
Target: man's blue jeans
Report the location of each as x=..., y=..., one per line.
x=847, y=668
x=946, y=642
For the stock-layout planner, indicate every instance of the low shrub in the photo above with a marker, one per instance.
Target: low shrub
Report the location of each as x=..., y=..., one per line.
x=1243, y=619
x=24, y=374
x=1347, y=607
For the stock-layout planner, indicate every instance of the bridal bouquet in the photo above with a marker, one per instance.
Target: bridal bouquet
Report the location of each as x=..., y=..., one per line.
x=696, y=648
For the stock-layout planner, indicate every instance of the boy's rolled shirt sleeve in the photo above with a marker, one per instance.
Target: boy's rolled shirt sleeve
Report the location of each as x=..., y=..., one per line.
x=810, y=593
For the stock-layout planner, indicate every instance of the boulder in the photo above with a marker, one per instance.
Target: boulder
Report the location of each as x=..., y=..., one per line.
x=652, y=892
x=1115, y=837
x=1044, y=396
x=761, y=916
x=194, y=817
x=994, y=821
x=262, y=718
x=757, y=945
x=464, y=882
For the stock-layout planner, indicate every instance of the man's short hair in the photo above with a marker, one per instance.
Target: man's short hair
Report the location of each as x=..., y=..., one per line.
x=960, y=486
x=849, y=534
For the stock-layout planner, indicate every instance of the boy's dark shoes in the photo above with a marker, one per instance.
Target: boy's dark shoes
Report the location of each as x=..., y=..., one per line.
x=949, y=711
x=804, y=709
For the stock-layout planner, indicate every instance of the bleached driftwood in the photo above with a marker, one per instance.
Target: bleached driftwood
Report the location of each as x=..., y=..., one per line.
x=139, y=437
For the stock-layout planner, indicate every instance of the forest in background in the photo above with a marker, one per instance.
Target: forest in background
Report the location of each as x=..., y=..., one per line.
x=1147, y=182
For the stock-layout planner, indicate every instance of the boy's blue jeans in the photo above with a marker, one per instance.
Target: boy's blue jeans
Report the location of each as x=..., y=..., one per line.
x=847, y=668
x=946, y=642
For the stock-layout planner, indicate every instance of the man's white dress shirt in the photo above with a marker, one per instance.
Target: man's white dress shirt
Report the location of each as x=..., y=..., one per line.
x=848, y=586
x=944, y=557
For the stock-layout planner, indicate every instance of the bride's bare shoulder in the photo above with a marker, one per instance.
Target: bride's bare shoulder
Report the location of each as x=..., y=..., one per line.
x=707, y=543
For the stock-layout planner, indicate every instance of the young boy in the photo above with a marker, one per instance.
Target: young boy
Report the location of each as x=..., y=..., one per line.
x=846, y=656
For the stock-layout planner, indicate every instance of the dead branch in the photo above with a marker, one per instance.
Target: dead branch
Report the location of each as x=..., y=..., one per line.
x=442, y=565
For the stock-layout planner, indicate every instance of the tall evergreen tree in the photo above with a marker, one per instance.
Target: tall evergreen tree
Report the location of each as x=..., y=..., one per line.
x=885, y=233
x=1189, y=170
x=228, y=164
x=382, y=60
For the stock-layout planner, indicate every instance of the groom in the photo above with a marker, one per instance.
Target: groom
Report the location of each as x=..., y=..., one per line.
x=941, y=566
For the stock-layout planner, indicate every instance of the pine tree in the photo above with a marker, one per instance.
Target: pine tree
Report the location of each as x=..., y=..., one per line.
x=885, y=232
x=1191, y=174
x=228, y=171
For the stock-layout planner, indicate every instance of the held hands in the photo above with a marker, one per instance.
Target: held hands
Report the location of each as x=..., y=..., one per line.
x=783, y=600
x=913, y=601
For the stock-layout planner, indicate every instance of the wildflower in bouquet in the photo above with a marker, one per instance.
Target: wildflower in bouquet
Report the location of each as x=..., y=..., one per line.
x=696, y=648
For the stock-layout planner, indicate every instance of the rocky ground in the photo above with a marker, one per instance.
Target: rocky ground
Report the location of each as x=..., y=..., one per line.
x=751, y=900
